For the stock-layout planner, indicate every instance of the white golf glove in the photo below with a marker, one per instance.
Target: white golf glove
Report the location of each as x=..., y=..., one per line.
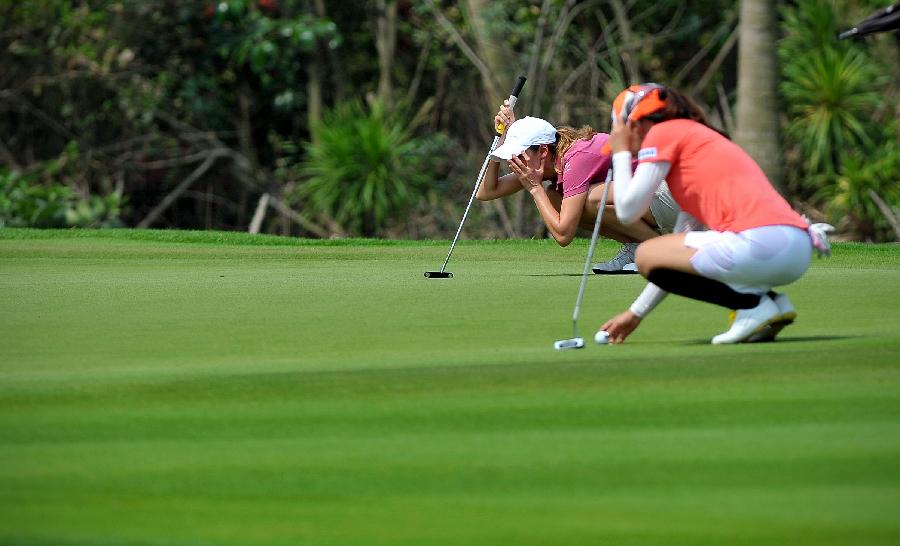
x=818, y=234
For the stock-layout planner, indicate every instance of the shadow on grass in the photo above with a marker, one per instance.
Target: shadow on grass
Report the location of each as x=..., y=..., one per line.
x=551, y=275
x=780, y=340
x=814, y=338
x=607, y=276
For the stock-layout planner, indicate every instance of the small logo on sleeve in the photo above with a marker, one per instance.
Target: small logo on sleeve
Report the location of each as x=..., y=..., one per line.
x=646, y=153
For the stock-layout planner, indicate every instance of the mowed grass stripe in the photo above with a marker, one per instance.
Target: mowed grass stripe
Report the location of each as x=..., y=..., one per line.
x=167, y=388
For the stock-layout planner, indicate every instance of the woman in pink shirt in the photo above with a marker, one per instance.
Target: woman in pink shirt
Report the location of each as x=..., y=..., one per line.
x=573, y=163
x=755, y=241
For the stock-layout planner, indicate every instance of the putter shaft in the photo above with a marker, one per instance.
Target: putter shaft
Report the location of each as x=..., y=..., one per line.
x=513, y=98
x=462, y=222
x=590, y=255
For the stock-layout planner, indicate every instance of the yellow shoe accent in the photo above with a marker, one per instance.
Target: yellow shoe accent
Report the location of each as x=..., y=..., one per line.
x=750, y=323
x=769, y=331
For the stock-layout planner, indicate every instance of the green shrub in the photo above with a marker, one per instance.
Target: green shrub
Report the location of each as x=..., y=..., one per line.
x=25, y=203
x=831, y=88
x=831, y=98
x=365, y=169
x=835, y=93
x=846, y=193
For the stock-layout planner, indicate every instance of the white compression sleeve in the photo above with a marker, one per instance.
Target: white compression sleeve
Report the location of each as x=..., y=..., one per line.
x=649, y=298
x=633, y=194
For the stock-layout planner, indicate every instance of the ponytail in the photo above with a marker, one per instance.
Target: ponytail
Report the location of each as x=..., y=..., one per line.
x=565, y=137
x=679, y=106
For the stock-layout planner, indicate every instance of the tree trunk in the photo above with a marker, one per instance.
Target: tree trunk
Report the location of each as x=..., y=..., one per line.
x=628, y=58
x=337, y=75
x=314, y=94
x=757, y=128
x=386, y=43
x=245, y=125
x=491, y=49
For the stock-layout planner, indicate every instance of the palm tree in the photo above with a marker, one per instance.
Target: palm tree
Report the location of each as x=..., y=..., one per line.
x=757, y=103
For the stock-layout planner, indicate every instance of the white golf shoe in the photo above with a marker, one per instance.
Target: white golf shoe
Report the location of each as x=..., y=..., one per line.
x=621, y=264
x=750, y=322
x=784, y=304
x=788, y=315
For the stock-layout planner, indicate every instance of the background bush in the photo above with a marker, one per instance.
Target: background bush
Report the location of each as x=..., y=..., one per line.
x=183, y=114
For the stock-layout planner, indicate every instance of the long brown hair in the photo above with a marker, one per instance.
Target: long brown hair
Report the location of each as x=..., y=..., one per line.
x=565, y=137
x=679, y=106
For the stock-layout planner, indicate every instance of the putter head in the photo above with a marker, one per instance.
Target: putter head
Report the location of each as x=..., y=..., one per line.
x=571, y=343
x=438, y=275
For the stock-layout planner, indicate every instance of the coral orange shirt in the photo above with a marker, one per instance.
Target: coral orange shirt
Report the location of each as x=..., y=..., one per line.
x=714, y=180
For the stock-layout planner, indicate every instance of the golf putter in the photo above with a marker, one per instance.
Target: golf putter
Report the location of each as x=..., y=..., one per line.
x=576, y=341
x=513, y=97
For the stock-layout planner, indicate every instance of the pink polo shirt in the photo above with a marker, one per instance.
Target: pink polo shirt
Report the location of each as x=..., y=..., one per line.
x=583, y=164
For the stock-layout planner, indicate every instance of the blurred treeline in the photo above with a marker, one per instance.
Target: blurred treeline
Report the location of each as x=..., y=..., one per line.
x=315, y=118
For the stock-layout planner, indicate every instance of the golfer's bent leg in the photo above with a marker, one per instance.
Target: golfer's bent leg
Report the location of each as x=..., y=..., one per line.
x=702, y=289
x=637, y=232
x=613, y=228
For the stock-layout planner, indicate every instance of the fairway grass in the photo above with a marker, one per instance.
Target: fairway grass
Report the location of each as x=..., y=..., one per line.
x=190, y=388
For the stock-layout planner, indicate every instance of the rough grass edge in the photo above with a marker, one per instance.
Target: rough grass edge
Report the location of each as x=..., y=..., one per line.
x=227, y=238
x=882, y=253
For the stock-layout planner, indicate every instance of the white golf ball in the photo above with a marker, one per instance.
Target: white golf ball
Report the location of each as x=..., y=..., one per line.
x=601, y=337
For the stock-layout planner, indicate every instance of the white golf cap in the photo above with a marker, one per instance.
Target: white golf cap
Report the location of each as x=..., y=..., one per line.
x=523, y=133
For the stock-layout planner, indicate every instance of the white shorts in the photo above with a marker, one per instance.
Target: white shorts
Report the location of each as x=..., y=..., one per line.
x=754, y=260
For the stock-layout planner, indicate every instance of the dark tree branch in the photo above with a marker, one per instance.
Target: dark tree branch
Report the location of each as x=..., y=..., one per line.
x=486, y=72
x=534, y=63
x=7, y=156
x=298, y=218
x=889, y=215
x=172, y=196
x=717, y=61
x=420, y=71
x=701, y=54
x=173, y=162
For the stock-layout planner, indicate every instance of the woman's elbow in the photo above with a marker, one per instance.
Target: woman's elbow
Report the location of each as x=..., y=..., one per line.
x=564, y=239
x=624, y=212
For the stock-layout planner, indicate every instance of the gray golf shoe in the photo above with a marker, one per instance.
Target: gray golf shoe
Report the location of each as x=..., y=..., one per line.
x=621, y=264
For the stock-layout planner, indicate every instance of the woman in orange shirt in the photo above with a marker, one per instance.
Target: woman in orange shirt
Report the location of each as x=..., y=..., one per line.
x=755, y=241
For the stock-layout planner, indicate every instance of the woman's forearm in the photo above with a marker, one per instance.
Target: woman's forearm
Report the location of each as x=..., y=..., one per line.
x=494, y=186
x=562, y=233
x=489, y=184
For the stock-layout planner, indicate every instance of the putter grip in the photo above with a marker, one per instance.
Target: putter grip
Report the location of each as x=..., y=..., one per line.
x=520, y=83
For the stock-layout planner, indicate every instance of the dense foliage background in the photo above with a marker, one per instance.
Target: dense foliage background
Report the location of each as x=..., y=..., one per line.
x=371, y=118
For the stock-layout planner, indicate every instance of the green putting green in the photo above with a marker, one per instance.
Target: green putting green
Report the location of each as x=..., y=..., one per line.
x=186, y=388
